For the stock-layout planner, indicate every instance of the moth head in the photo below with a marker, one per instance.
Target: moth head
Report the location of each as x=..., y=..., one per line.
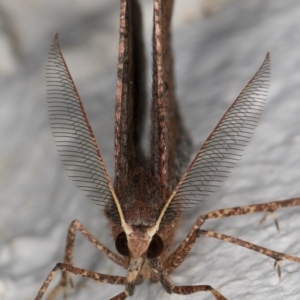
x=139, y=242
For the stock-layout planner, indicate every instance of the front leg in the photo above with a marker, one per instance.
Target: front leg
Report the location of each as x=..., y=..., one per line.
x=66, y=268
x=177, y=257
x=167, y=284
x=68, y=258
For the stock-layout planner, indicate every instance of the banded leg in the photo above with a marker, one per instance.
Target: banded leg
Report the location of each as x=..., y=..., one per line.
x=251, y=209
x=68, y=258
x=167, y=284
x=191, y=289
x=132, y=279
x=80, y=272
x=120, y=296
x=278, y=256
x=177, y=257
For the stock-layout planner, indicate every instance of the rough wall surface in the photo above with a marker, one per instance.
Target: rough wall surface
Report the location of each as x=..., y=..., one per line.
x=215, y=57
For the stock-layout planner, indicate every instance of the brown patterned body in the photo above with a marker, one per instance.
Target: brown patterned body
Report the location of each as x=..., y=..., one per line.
x=143, y=183
x=151, y=189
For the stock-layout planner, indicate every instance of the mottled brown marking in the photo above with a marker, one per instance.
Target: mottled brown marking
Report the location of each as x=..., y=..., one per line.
x=177, y=257
x=68, y=259
x=131, y=93
x=191, y=289
x=80, y=272
x=250, y=209
x=278, y=256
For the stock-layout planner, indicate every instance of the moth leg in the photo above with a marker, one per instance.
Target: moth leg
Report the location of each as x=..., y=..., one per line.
x=68, y=258
x=167, y=284
x=250, y=209
x=274, y=217
x=176, y=258
x=80, y=272
x=132, y=279
x=77, y=226
x=191, y=289
x=120, y=296
x=278, y=256
x=269, y=207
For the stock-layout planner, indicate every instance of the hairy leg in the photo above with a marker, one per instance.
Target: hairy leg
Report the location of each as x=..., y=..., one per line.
x=176, y=258
x=68, y=258
x=278, y=256
x=120, y=296
x=167, y=284
x=80, y=272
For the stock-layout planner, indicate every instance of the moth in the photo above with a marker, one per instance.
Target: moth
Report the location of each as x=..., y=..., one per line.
x=151, y=190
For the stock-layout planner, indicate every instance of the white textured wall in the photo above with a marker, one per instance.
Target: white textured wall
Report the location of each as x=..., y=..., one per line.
x=215, y=58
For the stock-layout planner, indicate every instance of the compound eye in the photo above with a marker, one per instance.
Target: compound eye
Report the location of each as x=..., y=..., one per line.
x=121, y=244
x=156, y=247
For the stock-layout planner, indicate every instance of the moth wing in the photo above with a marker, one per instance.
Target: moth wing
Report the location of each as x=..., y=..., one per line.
x=131, y=93
x=170, y=143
